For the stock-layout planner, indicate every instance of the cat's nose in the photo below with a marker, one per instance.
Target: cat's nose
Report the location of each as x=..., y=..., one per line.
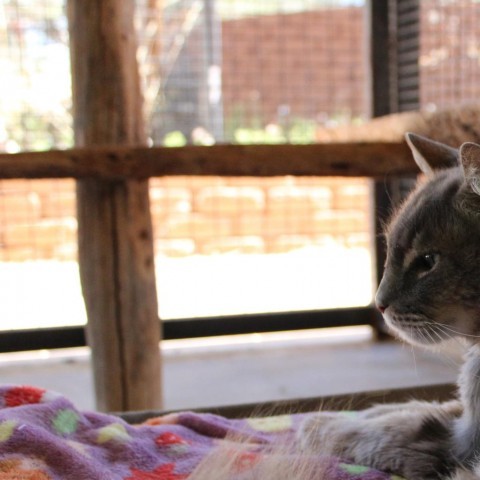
x=383, y=297
x=382, y=303
x=381, y=307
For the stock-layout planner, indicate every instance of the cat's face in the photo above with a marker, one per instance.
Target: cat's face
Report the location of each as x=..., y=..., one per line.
x=430, y=290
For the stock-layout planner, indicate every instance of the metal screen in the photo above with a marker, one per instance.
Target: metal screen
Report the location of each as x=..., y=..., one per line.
x=449, y=53
x=256, y=72
x=251, y=72
x=212, y=71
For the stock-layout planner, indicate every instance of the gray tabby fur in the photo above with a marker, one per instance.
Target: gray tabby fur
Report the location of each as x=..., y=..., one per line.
x=430, y=292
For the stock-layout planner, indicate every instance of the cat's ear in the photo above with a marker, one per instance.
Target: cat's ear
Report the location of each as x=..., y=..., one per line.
x=470, y=159
x=425, y=150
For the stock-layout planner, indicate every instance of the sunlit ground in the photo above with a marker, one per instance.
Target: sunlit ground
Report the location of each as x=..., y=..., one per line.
x=47, y=293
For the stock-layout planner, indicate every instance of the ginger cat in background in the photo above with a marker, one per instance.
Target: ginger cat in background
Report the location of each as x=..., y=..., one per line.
x=452, y=126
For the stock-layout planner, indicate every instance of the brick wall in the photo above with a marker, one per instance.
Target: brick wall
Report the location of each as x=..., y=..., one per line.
x=307, y=65
x=257, y=215
x=195, y=215
x=37, y=220
x=285, y=69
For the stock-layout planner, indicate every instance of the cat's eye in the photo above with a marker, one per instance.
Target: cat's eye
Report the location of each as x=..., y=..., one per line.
x=426, y=261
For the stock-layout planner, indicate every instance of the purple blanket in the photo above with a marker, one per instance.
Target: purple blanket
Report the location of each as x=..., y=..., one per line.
x=44, y=437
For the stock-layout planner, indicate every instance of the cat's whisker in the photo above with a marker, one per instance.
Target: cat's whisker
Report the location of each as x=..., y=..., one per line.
x=447, y=333
x=435, y=333
x=414, y=359
x=425, y=336
x=448, y=360
x=457, y=332
x=435, y=336
x=441, y=333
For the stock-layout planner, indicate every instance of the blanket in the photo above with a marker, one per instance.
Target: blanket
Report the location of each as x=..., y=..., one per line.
x=44, y=437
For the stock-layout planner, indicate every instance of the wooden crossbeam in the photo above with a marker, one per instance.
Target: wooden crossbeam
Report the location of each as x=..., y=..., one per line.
x=124, y=162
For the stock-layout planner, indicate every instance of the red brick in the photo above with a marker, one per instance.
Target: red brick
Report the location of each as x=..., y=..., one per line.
x=300, y=199
x=170, y=200
x=286, y=243
x=18, y=254
x=42, y=235
x=20, y=207
x=229, y=200
x=340, y=222
x=179, y=247
x=192, y=226
x=246, y=244
x=249, y=224
x=351, y=197
x=58, y=204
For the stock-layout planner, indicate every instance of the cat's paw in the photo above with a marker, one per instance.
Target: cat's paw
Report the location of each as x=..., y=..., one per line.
x=326, y=433
x=452, y=408
x=414, y=445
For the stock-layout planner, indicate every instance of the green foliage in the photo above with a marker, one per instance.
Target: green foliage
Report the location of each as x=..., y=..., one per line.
x=174, y=139
x=258, y=136
x=298, y=131
x=27, y=129
x=302, y=131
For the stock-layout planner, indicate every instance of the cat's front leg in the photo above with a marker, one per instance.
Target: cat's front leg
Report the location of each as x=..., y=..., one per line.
x=467, y=427
x=453, y=407
x=413, y=442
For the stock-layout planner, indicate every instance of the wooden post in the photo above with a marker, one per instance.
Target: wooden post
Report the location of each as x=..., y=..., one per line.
x=114, y=225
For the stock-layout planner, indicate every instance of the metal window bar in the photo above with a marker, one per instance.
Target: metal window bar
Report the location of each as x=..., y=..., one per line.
x=395, y=24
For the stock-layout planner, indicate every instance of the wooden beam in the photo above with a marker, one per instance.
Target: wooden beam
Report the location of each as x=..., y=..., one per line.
x=119, y=163
x=116, y=255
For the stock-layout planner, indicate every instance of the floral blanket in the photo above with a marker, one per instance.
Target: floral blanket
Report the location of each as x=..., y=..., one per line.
x=44, y=437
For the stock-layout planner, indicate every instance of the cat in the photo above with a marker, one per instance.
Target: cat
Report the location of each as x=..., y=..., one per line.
x=430, y=292
x=452, y=126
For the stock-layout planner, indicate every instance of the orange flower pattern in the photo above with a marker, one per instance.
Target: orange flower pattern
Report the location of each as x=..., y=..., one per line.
x=12, y=469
